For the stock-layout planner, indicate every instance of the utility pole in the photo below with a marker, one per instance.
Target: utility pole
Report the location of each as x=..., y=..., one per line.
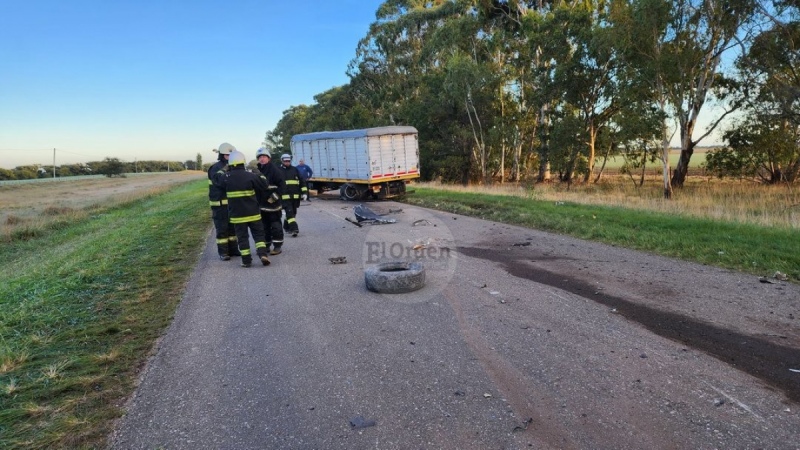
x=54, y=162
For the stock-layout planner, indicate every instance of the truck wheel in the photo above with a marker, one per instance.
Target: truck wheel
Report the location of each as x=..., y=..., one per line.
x=395, y=277
x=349, y=192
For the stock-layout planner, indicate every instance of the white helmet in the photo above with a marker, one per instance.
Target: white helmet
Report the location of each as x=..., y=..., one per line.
x=263, y=151
x=236, y=158
x=286, y=157
x=225, y=149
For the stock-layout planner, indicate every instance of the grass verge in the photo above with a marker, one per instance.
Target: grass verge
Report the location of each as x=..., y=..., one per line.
x=747, y=248
x=80, y=308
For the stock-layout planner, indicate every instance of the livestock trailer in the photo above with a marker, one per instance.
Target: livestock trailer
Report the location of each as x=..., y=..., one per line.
x=370, y=162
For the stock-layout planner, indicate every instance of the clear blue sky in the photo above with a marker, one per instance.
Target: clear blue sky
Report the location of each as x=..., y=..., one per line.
x=163, y=79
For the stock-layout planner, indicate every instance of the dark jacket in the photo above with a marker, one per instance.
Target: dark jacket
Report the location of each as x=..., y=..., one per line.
x=244, y=191
x=216, y=183
x=276, y=187
x=295, y=184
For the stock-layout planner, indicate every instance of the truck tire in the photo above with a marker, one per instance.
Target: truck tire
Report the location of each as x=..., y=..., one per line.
x=350, y=192
x=395, y=277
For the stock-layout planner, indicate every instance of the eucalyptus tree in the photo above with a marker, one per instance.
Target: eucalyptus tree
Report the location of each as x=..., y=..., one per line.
x=699, y=33
x=588, y=71
x=641, y=33
x=765, y=142
x=293, y=121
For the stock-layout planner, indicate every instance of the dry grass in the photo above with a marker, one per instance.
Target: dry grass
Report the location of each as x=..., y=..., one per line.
x=733, y=201
x=26, y=210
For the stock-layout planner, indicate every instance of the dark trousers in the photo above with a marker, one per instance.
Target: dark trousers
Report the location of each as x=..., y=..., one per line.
x=226, y=234
x=290, y=208
x=256, y=228
x=273, y=233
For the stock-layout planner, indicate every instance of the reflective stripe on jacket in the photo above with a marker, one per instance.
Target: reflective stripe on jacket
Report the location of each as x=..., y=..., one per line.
x=244, y=190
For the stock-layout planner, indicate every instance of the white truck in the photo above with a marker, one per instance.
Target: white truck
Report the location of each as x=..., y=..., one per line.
x=371, y=162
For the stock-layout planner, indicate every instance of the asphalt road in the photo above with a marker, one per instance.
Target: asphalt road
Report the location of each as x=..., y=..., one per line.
x=520, y=339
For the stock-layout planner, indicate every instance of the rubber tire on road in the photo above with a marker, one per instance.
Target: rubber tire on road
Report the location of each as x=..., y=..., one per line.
x=395, y=277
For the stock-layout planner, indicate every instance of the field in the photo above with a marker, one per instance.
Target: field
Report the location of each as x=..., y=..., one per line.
x=27, y=208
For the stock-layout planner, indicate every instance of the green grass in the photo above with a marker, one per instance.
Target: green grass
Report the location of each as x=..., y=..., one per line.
x=82, y=304
x=748, y=248
x=80, y=309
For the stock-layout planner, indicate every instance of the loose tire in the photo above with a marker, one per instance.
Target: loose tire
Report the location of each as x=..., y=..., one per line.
x=395, y=277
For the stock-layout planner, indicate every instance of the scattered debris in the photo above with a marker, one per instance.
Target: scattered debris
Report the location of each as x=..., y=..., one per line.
x=521, y=244
x=364, y=214
x=487, y=395
x=779, y=276
x=459, y=393
x=361, y=422
x=559, y=203
x=794, y=370
x=420, y=222
x=338, y=260
x=353, y=222
x=524, y=425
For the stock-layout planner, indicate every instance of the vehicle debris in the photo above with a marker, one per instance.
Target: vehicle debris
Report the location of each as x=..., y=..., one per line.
x=420, y=222
x=361, y=422
x=338, y=260
x=364, y=214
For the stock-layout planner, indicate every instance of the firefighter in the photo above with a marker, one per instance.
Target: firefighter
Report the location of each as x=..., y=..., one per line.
x=296, y=189
x=271, y=209
x=245, y=190
x=226, y=235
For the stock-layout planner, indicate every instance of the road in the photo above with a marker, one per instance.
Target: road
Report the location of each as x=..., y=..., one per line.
x=519, y=339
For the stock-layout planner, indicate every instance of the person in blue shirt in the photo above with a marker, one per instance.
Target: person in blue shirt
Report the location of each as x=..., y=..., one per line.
x=306, y=173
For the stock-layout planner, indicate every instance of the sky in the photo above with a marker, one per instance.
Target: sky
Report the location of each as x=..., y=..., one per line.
x=163, y=79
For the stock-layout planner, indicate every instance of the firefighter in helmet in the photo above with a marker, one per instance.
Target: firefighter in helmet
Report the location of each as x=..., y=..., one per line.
x=244, y=191
x=217, y=198
x=271, y=208
x=295, y=190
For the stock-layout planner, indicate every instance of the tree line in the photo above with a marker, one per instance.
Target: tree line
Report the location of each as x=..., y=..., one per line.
x=547, y=90
x=110, y=167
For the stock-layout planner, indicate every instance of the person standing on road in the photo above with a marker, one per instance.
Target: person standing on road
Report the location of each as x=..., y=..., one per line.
x=306, y=173
x=245, y=189
x=271, y=208
x=217, y=198
x=296, y=189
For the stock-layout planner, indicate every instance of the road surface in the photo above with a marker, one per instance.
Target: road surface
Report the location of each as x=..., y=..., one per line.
x=519, y=339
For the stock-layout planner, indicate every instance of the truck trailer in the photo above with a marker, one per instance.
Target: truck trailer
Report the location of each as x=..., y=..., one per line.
x=370, y=162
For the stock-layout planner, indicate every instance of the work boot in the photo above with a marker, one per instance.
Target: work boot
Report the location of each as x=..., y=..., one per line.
x=275, y=251
x=295, y=233
x=247, y=262
x=264, y=260
x=222, y=250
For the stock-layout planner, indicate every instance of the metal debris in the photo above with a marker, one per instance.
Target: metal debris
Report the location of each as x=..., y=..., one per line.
x=361, y=422
x=338, y=260
x=364, y=214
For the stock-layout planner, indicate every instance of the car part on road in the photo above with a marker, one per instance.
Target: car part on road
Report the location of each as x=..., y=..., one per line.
x=364, y=214
x=395, y=277
x=338, y=260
